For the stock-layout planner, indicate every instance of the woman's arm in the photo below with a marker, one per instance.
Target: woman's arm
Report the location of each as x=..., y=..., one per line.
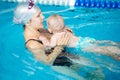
x=64, y=39
x=39, y=52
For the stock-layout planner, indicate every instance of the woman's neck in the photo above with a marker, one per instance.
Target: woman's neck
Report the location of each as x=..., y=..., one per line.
x=30, y=28
x=31, y=32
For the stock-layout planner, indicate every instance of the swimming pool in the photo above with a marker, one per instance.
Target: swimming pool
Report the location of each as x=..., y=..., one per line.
x=17, y=63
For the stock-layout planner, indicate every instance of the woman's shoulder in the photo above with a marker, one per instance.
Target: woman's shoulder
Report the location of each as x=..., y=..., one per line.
x=34, y=44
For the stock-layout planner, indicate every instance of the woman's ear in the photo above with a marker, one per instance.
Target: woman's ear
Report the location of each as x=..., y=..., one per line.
x=28, y=23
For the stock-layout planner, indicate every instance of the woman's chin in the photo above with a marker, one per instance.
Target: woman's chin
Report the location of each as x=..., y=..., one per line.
x=41, y=24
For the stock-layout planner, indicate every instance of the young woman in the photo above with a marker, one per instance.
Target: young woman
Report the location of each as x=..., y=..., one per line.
x=30, y=16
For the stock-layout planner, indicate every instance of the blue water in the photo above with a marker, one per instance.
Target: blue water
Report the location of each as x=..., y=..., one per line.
x=17, y=63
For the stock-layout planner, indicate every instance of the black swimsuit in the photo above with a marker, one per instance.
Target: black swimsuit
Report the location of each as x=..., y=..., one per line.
x=61, y=60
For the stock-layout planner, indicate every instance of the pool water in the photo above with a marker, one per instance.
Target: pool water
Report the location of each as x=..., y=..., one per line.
x=17, y=63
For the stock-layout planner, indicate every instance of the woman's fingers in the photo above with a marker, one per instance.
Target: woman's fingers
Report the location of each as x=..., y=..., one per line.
x=63, y=40
x=66, y=39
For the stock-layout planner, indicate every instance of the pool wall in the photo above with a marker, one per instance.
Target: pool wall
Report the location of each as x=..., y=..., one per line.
x=77, y=3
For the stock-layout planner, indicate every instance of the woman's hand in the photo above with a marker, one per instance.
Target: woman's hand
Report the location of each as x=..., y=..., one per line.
x=63, y=41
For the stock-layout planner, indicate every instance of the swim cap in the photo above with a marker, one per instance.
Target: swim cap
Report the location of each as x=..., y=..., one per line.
x=24, y=12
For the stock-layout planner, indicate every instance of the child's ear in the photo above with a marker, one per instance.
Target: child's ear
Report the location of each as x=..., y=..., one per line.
x=50, y=30
x=68, y=29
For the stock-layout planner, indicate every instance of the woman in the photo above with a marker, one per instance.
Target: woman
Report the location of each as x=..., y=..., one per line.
x=31, y=17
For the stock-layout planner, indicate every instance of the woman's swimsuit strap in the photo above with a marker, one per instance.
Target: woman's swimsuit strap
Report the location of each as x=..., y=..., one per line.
x=33, y=40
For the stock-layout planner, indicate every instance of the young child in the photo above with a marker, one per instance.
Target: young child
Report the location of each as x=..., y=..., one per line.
x=57, y=27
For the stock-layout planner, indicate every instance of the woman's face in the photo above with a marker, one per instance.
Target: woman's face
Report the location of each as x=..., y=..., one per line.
x=37, y=19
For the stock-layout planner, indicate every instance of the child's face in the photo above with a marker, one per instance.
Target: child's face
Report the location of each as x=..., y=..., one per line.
x=55, y=25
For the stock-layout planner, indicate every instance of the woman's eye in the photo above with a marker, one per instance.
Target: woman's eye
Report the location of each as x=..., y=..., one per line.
x=38, y=15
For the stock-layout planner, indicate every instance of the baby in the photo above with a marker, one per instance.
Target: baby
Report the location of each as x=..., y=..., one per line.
x=57, y=27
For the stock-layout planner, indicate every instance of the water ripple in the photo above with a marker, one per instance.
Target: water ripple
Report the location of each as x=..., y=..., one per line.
x=6, y=11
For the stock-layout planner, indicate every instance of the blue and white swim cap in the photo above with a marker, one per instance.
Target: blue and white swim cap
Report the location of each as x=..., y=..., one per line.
x=24, y=12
